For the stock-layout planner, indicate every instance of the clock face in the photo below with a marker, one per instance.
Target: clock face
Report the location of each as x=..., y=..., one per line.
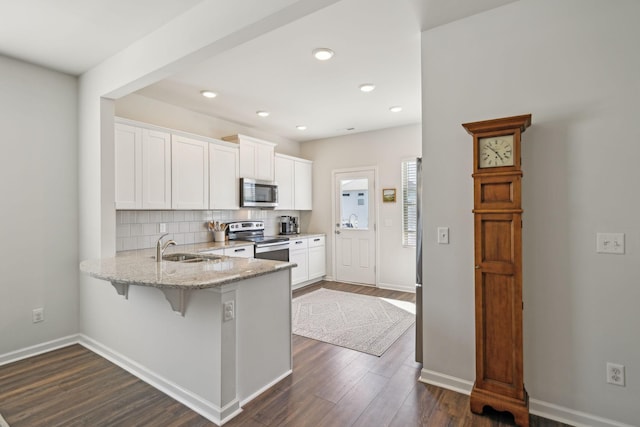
x=495, y=151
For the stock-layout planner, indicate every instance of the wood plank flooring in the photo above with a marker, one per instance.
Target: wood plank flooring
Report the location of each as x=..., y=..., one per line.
x=330, y=387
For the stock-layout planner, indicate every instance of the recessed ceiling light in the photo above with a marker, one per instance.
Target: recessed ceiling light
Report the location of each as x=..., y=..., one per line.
x=263, y=113
x=301, y=127
x=208, y=94
x=367, y=87
x=323, y=53
x=395, y=109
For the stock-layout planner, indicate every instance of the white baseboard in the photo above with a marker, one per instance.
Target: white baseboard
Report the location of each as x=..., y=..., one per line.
x=394, y=287
x=265, y=388
x=37, y=349
x=203, y=407
x=536, y=407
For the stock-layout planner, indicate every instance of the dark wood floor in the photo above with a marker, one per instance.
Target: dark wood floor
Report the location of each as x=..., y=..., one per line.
x=330, y=386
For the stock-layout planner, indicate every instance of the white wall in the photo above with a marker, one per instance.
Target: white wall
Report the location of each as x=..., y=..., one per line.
x=574, y=65
x=39, y=185
x=148, y=110
x=385, y=149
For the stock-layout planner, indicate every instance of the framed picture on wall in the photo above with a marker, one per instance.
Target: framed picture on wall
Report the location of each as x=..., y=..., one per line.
x=388, y=195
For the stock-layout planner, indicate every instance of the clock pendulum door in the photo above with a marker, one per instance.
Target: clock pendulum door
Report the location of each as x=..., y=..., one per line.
x=498, y=266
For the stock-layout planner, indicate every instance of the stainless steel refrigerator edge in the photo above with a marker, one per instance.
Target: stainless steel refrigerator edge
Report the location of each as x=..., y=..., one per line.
x=419, y=260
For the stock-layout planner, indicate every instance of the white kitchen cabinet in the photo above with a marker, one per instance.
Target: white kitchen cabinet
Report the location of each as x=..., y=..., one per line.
x=302, y=194
x=224, y=174
x=299, y=253
x=143, y=168
x=317, y=257
x=293, y=176
x=240, y=251
x=190, y=173
x=284, y=176
x=256, y=157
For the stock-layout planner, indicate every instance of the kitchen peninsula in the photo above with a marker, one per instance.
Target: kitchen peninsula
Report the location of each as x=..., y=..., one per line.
x=227, y=339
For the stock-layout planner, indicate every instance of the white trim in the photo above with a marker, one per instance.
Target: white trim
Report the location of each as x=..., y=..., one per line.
x=265, y=388
x=446, y=381
x=536, y=407
x=203, y=407
x=400, y=288
x=37, y=349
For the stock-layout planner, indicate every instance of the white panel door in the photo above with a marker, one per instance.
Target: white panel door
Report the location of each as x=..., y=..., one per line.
x=190, y=173
x=156, y=169
x=355, y=237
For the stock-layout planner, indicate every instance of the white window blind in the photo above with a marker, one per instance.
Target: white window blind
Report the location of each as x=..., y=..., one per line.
x=409, y=202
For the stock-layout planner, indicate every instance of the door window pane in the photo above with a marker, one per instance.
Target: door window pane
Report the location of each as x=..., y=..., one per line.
x=354, y=203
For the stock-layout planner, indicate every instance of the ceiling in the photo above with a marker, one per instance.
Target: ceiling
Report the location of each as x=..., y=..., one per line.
x=375, y=41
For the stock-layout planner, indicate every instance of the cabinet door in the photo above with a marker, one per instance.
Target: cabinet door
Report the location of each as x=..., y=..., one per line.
x=317, y=257
x=300, y=273
x=248, y=153
x=284, y=171
x=240, y=252
x=264, y=162
x=302, y=185
x=128, y=158
x=156, y=170
x=224, y=174
x=190, y=173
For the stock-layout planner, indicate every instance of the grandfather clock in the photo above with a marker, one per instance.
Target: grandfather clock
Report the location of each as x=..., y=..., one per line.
x=498, y=266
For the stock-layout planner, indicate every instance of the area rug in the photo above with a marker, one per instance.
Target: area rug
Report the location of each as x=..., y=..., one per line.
x=3, y=423
x=359, y=322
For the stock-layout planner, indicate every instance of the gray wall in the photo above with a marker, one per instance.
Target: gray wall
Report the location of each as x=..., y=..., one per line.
x=385, y=149
x=574, y=65
x=39, y=191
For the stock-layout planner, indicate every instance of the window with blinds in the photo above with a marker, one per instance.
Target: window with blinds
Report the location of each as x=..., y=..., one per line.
x=409, y=202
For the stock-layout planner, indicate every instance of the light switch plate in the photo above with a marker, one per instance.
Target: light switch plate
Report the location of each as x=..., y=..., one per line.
x=443, y=235
x=610, y=243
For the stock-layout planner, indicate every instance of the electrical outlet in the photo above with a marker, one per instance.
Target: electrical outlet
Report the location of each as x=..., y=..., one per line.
x=229, y=310
x=615, y=374
x=38, y=315
x=443, y=235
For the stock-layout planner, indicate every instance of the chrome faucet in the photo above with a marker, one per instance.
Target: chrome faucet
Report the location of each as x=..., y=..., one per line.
x=160, y=247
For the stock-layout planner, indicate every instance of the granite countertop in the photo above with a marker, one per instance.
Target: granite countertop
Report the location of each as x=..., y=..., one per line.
x=140, y=268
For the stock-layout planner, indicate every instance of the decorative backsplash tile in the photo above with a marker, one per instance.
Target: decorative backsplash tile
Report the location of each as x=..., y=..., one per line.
x=141, y=229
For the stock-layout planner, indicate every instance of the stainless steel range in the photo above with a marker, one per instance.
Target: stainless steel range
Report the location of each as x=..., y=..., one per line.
x=266, y=247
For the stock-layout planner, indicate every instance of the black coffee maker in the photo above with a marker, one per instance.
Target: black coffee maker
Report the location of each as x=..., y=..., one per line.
x=289, y=225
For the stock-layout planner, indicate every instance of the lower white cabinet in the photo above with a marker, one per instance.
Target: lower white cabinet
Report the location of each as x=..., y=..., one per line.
x=299, y=253
x=309, y=254
x=240, y=252
x=317, y=257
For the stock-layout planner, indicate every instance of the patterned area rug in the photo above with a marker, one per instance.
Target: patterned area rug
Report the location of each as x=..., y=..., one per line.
x=3, y=423
x=359, y=322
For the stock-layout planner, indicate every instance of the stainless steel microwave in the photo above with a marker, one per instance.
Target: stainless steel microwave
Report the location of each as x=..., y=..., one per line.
x=258, y=194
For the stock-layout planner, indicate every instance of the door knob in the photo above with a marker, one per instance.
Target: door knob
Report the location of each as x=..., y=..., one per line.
x=337, y=231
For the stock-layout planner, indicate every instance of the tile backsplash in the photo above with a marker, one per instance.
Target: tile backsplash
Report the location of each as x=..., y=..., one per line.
x=141, y=229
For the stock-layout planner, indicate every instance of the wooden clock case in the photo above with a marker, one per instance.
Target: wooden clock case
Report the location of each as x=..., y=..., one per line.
x=498, y=275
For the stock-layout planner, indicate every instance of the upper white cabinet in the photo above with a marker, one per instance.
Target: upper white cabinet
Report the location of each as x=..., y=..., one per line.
x=143, y=168
x=224, y=174
x=293, y=176
x=256, y=157
x=190, y=173
x=302, y=185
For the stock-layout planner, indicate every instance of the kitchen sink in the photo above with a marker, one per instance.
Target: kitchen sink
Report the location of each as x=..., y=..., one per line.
x=189, y=257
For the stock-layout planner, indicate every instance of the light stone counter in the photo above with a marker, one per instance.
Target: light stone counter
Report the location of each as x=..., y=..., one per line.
x=140, y=268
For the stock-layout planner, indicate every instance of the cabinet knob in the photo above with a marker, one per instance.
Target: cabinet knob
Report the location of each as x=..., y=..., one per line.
x=477, y=267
